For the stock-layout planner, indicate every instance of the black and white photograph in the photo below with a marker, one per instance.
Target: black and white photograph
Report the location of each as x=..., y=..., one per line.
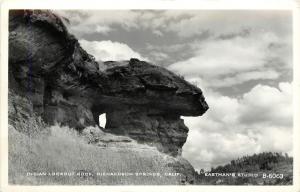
x=150, y=97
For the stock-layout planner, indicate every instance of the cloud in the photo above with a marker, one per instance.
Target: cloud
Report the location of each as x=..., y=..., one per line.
x=158, y=56
x=225, y=62
x=273, y=103
x=88, y=29
x=183, y=23
x=88, y=21
x=85, y=22
x=158, y=33
x=108, y=50
x=230, y=22
x=247, y=76
x=261, y=120
x=232, y=41
x=227, y=56
x=237, y=79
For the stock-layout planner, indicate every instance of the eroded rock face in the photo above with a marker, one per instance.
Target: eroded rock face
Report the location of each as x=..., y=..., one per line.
x=64, y=84
x=155, y=88
x=145, y=102
x=49, y=68
x=168, y=133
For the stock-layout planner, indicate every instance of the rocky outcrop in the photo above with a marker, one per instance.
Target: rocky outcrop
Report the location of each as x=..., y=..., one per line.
x=52, y=78
x=145, y=102
x=65, y=85
x=49, y=68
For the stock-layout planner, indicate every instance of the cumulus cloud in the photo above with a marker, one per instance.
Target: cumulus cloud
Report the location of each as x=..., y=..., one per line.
x=273, y=103
x=108, y=50
x=261, y=120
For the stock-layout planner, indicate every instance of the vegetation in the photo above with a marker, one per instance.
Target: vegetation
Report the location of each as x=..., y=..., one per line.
x=267, y=168
x=63, y=150
x=256, y=162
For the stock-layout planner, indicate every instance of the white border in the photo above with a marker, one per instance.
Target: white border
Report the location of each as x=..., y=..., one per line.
x=146, y=4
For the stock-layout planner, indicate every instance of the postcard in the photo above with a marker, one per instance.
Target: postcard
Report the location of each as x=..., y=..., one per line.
x=144, y=98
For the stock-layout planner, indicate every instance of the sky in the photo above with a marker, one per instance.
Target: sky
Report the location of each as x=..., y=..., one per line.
x=242, y=61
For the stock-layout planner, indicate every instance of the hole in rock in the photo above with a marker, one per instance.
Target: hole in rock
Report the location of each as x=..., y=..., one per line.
x=102, y=120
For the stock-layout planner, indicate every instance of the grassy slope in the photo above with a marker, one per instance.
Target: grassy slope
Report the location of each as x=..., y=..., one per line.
x=63, y=150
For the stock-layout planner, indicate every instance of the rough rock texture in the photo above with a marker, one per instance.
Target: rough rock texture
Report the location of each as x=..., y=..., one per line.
x=52, y=79
x=47, y=65
x=145, y=102
x=22, y=116
x=168, y=133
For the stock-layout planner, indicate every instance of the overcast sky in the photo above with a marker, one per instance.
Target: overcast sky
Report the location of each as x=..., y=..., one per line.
x=242, y=60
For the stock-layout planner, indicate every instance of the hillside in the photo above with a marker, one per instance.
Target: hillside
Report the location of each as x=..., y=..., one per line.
x=267, y=168
x=44, y=157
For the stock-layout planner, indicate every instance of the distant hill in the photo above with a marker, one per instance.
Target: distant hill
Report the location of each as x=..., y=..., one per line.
x=267, y=168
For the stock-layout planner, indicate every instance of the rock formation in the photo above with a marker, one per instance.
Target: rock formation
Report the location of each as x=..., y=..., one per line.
x=145, y=102
x=58, y=82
